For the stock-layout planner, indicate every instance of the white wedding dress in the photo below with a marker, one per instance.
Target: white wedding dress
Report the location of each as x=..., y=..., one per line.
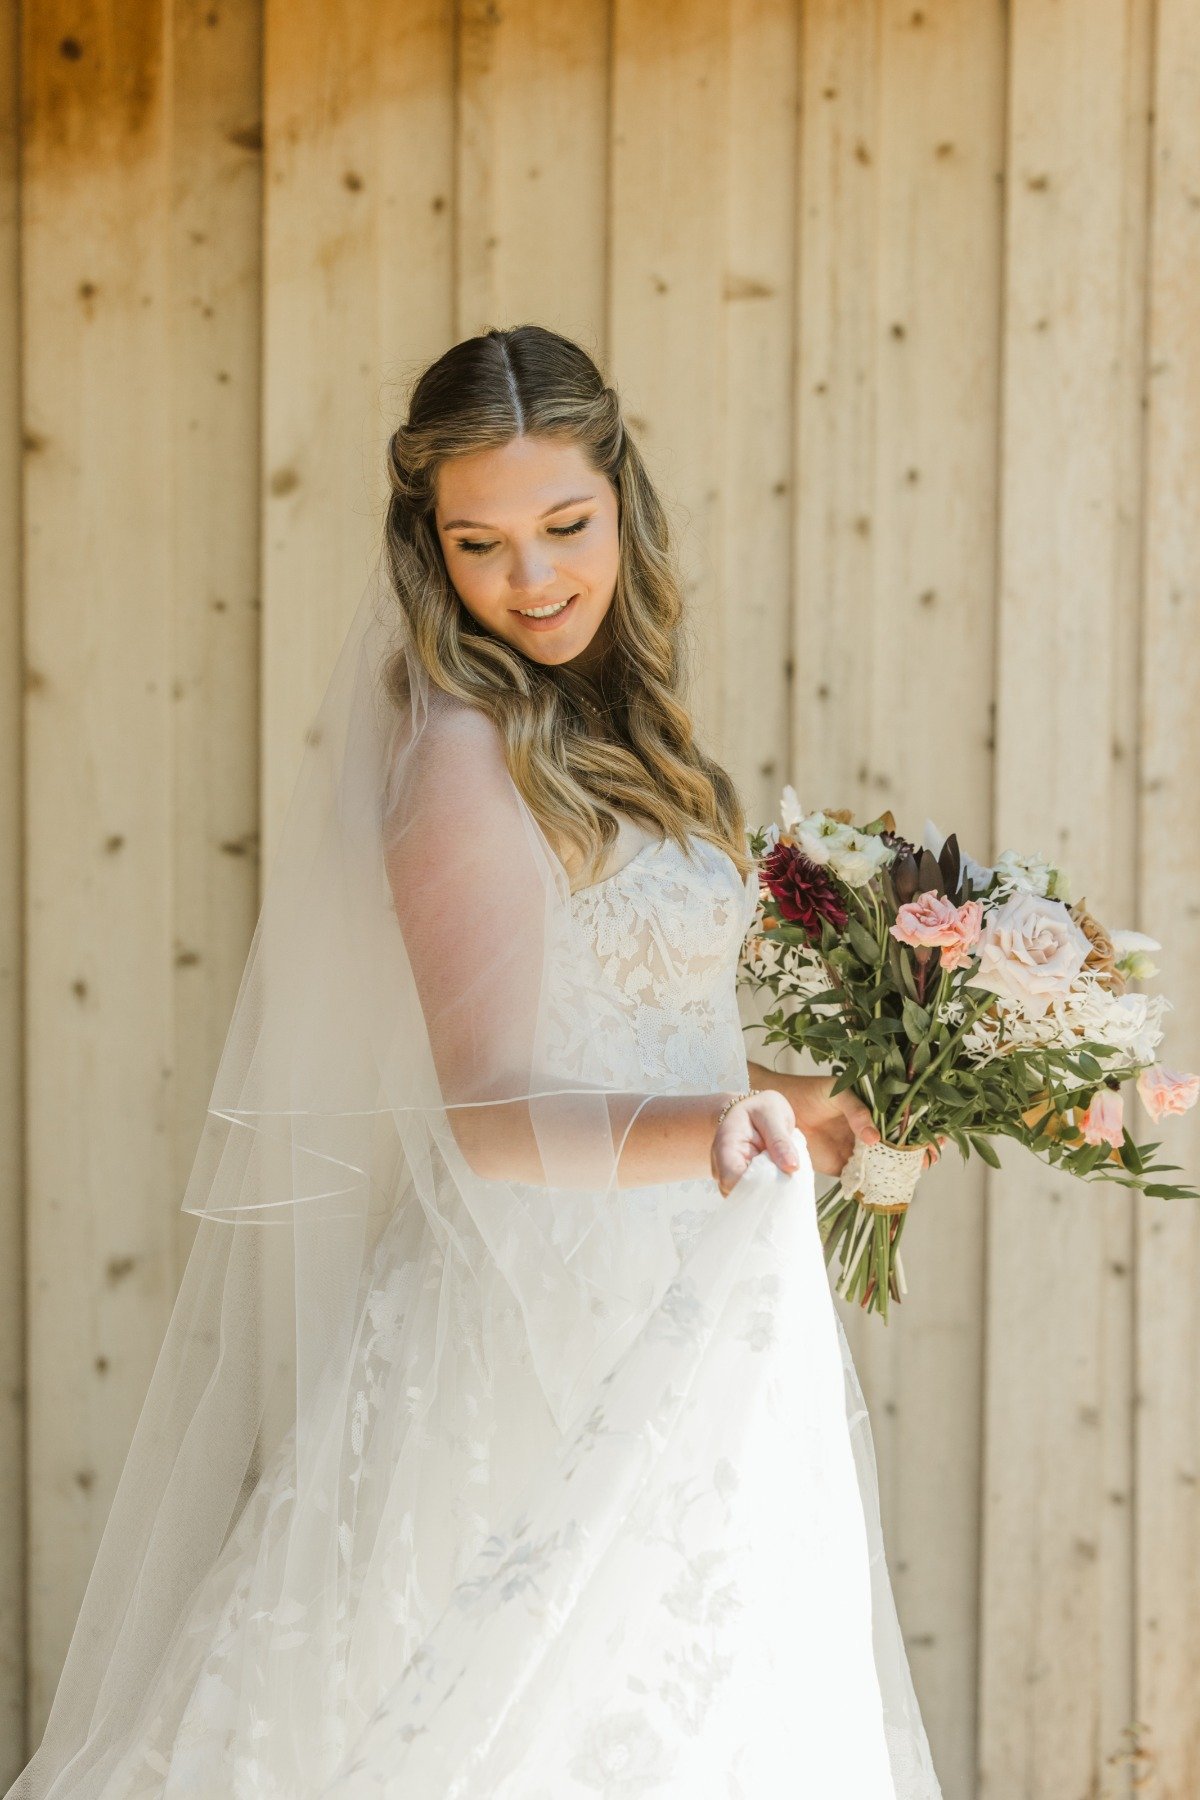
x=683, y=1594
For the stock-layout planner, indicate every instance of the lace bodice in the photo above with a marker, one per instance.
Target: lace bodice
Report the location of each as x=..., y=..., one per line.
x=662, y=935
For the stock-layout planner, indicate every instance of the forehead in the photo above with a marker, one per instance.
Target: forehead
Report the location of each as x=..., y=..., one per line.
x=514, y=480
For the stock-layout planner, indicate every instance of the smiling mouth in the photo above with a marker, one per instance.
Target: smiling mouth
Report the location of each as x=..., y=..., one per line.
x=546, y=616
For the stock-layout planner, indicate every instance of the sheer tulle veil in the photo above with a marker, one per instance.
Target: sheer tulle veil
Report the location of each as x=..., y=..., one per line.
x=416, y=1060
x=411, y=966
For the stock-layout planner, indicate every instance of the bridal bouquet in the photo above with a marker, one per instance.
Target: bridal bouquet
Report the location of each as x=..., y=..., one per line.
x=958, y=1002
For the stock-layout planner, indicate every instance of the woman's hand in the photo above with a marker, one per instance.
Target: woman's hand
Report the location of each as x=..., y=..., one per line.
x=831, y=1123
x=763, y=1122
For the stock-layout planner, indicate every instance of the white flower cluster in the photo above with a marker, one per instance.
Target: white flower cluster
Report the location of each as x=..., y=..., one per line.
x=794, y=970
x=853, y=856
x=1012, y=872
x=1129, y=1023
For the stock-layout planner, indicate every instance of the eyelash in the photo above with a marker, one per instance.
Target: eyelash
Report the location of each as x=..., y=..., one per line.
x=477, y=549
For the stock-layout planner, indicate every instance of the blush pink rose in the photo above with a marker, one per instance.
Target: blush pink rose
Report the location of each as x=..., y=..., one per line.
x=932, y=920
x=1167, y=1090
x=1103, y=1121
x=1030, y=953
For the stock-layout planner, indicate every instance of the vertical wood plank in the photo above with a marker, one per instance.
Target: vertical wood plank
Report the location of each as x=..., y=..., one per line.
x=531, y=167
x=700, y=286
x=746, y=645
x=358, y=283
x=139, y=278
x=1167, y=1643
x=95, y=290
x=12, y=1237
x=1056, y=1677
x=898, y=371
x=216, y=259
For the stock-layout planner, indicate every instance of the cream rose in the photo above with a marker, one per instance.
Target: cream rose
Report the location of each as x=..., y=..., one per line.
x=1030, y=952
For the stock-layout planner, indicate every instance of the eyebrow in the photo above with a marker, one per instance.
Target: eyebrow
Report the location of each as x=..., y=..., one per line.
x=575, y=500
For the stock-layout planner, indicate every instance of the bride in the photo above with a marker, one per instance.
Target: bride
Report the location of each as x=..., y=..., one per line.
x=504, y=1441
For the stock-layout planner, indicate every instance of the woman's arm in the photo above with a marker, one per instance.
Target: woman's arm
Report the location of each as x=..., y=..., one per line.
x=672, y=1137
x=469, y=888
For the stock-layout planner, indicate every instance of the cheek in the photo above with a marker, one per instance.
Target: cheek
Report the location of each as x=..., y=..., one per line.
x=597, y=560
x=478, y=586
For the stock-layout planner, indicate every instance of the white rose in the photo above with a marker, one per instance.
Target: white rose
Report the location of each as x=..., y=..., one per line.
x=1030, y=952
x=857, y=856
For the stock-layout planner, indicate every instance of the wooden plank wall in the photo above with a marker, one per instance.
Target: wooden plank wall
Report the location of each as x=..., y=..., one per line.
x=140, y=287
x=900, y=299
x=12, y=1199
x=1058, y=1548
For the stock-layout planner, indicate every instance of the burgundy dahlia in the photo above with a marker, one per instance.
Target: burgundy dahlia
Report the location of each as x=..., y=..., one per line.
x=802, y=890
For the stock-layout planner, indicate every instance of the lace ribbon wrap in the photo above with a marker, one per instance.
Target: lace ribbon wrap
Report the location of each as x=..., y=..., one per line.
x=882, y=1176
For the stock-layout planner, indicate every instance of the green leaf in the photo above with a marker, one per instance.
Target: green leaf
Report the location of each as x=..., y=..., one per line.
x=864, y=942
x=1131, y=1156
x=984, y=1148
x=916, y=1021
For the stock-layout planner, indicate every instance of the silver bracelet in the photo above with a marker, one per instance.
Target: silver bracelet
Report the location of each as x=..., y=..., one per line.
x=748, y=1095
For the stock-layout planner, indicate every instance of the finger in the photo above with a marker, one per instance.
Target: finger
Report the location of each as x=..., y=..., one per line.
x=782, y=1150
x=729, y=1164
x=722, y=1173
x=858, y=1116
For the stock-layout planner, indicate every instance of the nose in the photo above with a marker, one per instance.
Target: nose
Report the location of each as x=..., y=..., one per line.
x=531, y=570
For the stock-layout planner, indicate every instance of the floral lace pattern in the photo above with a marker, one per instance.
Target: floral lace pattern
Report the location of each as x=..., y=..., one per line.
x=665, y=1600
x=658, y=938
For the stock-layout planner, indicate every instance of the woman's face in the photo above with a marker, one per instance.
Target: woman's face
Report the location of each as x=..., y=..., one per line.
x=525, y=527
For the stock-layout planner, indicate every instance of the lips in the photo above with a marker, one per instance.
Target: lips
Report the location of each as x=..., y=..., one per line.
x=551, y=619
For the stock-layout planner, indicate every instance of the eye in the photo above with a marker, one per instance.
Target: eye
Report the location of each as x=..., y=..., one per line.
x=474, y=548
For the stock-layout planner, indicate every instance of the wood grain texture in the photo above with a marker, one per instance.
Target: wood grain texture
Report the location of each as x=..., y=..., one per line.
x=12, y=1222
x=900, y=302
x=96, y=296
x=702, y=251
x=139, y=277
x=359, y=107
x=897, y=340
x=1056, y=1677
x=1167, y=1257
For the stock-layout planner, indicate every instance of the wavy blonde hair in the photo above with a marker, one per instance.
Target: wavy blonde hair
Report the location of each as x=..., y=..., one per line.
x=483, y=392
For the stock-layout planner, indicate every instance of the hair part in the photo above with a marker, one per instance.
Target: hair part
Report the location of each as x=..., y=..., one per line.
x=530, y=381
